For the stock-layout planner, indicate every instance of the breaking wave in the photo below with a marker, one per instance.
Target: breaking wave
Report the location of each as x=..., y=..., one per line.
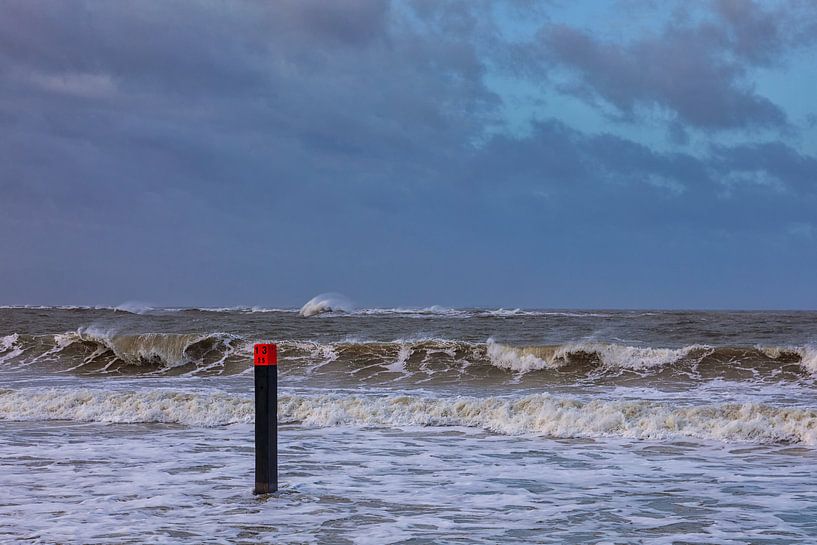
x=326, y=302
x=94, y=350
x=95, y=405
x=10, y=347
x=583, y=357
x=540, y=414
x=533, y=358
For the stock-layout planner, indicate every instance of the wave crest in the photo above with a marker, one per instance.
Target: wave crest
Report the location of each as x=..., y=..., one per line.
x=533, y=358
x=326, y=302
x=161, y=350
x=10, y=347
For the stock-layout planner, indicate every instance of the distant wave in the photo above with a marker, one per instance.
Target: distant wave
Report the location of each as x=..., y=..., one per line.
x=237, y=309
x=143, y=308
x=539, y=414
x=130, y=308
x=444, y=312
x=337, y=306
x=134, y=307
x=327, y=302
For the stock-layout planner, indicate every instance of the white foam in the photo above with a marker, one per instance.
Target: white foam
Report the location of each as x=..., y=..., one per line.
x=414, y=312
x=161, y=484
x=97, y=405
x=561, y=417
x=808, y=355
x=635, y=357
x=244, y=309
x=7, y=342
x=399, y=365
x=539, y=414
x=502, y=312
x=9, y=348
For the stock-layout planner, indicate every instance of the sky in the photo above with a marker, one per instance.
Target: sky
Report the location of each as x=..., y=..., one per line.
x=604, y=154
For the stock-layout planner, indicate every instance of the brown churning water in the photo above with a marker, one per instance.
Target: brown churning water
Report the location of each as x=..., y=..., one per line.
x=433, y=425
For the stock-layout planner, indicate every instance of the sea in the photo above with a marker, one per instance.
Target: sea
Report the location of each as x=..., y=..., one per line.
x=410, y=425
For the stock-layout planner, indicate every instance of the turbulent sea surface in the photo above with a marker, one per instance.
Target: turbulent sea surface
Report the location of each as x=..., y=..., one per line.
x=133, y=425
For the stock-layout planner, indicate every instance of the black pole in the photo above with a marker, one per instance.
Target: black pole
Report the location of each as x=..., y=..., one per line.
x=266, y=418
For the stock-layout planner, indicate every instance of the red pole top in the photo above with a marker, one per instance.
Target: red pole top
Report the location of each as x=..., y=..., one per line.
x=265, y=354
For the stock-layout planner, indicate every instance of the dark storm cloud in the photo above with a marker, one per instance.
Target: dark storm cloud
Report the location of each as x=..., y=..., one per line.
x=182, y=137
x=696, y=66
x=261, y=57
x=155, y=94
x=179, y=152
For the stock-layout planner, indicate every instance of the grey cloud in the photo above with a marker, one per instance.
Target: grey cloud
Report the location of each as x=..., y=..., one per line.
x=567, y=177
x=775, y=162
x=697, y=69
x=346, y=22
x=292, y=75
x=751, y=32
x=155, y=150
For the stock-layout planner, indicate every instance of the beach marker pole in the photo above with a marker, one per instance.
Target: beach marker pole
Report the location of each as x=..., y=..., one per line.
x=265, y=361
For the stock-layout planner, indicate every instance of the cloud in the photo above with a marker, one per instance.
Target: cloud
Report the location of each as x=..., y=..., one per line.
x=350, y=87
x=696, y=67
x=180, y=153
x=768, y=163
x=587, y=180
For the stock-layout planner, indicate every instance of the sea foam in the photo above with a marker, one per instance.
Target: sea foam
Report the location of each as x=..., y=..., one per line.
x=538, y=414
x=10, y=347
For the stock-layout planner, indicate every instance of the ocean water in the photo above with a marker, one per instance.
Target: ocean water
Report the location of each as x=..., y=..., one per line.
x=134, y=425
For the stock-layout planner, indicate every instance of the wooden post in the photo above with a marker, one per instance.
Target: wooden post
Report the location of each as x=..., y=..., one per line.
x=266, y=418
